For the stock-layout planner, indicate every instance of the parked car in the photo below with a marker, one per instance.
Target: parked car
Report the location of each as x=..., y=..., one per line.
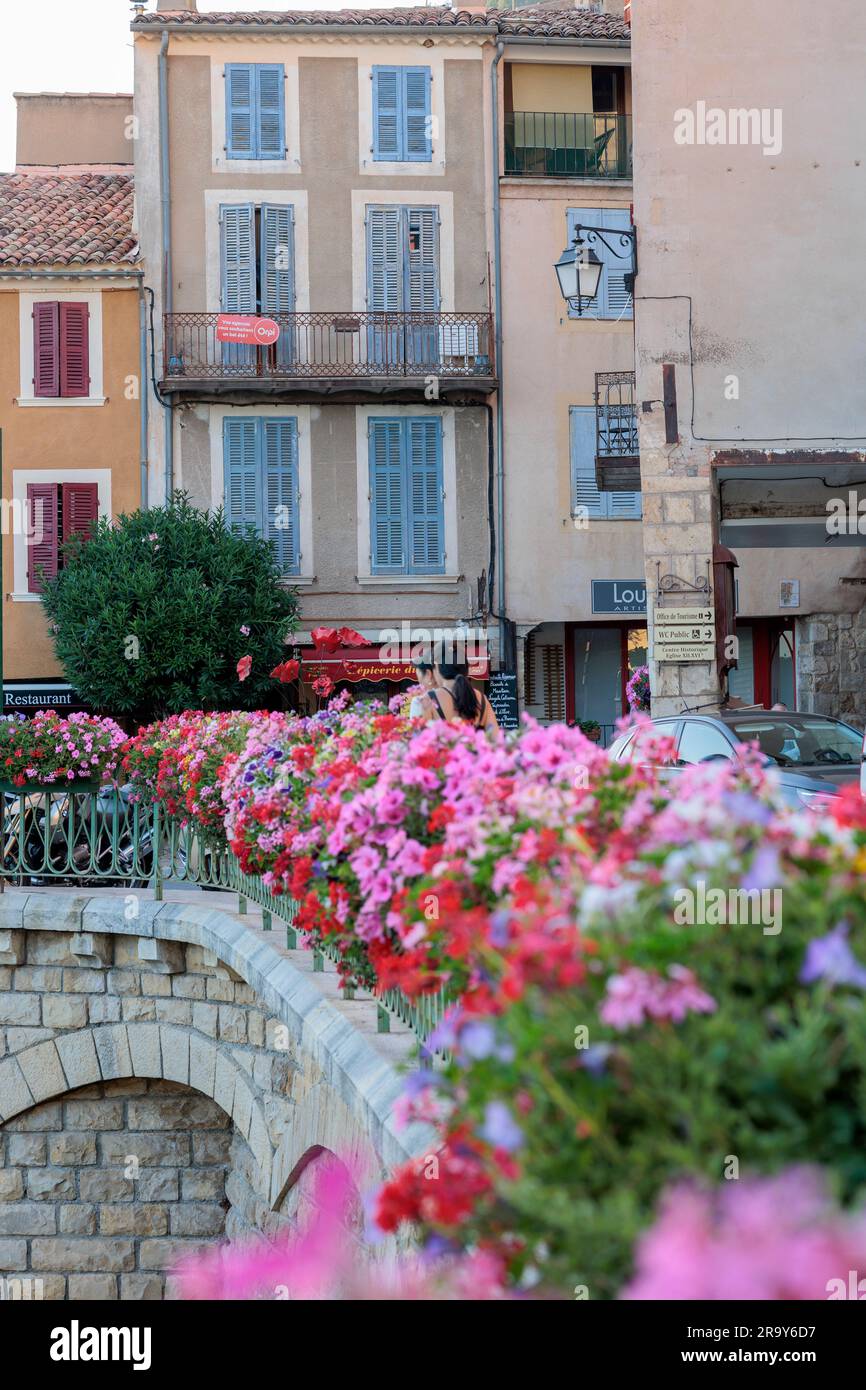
x=814, y=755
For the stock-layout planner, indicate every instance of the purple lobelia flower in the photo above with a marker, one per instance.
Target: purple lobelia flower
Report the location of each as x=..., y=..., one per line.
x=830, y=958
x=500, y=1128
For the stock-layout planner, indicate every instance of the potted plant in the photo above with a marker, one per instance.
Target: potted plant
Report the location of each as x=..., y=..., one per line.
x=638, y=691
x=48, y=752
x=590, y=728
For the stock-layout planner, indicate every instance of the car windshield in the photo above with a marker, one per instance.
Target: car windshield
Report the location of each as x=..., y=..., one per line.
x=807, y=741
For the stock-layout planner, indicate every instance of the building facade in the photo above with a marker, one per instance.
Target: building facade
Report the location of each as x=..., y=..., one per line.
x=750, y=350
x=71, y=381
x=574, y=555
x=327, y=177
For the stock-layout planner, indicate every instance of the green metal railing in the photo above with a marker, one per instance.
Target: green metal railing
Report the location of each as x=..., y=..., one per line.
x=568, y=144
x=100, y=838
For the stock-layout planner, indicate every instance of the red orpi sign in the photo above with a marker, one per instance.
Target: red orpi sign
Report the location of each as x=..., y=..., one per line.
x=246, y=328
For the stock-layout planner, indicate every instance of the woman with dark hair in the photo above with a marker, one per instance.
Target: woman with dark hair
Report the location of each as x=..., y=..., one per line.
x=455, y=699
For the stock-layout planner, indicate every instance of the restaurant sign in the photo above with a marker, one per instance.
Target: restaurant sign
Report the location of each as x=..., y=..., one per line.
x=619, y=596
x=26, y=697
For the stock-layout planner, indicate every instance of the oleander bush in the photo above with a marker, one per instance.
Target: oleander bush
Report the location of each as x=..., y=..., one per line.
x=159, y=611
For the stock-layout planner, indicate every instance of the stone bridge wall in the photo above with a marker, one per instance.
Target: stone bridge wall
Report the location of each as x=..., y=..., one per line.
x=167, y=1074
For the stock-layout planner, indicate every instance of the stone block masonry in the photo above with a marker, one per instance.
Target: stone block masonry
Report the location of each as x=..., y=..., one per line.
x=96, y=1187
x=167, y=1083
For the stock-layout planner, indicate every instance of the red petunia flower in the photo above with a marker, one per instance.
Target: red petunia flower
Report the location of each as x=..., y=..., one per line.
x=243, y=667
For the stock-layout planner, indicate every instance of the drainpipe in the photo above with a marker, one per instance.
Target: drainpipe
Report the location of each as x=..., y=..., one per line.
x=497, y=309
x=143, y=394
x=167, y=278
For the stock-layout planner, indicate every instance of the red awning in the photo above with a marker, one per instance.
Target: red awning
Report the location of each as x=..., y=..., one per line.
x=365, y=664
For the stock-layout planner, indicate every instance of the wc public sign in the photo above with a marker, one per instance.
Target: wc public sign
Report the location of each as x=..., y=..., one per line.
x=246, y=328
x=618, y=596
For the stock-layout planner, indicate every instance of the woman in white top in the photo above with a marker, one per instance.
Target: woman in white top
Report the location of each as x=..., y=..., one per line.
x=427, y=680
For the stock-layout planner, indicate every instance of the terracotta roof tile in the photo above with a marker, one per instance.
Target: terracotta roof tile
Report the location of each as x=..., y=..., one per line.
x=58, y=219
x=542, y=20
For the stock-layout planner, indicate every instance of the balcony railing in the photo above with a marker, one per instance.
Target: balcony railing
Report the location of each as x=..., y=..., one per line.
x=334, y=346
x=617, y=444
x=557, y=144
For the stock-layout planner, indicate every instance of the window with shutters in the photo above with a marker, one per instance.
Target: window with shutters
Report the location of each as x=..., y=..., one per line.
x=402, y=125
x=553, y=682
x=613, y=300
x=61, y=349
x=255, y=111
x=407, y=521
x=585, y=494
x=262, y=489
x=55, y=513
x=257, y=270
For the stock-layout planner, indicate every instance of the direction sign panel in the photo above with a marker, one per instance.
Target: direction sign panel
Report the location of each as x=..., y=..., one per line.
x=692, y=633
x=691, y=616
x=686, y=651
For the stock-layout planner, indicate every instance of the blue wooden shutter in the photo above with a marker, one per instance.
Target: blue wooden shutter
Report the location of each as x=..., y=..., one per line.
x=613, y=301
x=240, y=111
x=243, y=498
x=237, y=273
x=280, y=491
x=270, y=111
x=278, y=272
x=423, y=455
x=584, y=491
x=387, y=498
x=624, y=506
x=238, y=258
x=384, y=261
x=387, y=118
x=618, y=303
x=422, y=260
x=417, y=142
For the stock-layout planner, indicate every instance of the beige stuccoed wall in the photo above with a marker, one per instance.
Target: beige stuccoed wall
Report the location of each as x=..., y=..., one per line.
x=763, y=244
x=71, y=128
x=330, y=154
x=550, y=363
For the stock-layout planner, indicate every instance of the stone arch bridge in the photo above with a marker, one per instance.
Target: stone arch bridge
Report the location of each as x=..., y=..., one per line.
x=170, y=1074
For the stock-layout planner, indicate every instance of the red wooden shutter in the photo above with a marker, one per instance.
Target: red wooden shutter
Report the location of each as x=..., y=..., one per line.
x=42, y=536
x=80, y=509
x=46, y=350
x=74, y=350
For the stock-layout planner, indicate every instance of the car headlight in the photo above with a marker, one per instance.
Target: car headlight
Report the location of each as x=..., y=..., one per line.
x=816, y=799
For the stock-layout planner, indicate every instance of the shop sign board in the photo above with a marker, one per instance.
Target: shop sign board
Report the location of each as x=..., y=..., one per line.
x=619, y=596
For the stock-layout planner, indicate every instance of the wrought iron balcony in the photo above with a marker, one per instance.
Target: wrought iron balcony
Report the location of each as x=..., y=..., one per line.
x=617, y=445
x=568, y=144
x=339, y=354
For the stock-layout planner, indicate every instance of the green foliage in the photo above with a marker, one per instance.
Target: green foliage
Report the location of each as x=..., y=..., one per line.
x=146, y=616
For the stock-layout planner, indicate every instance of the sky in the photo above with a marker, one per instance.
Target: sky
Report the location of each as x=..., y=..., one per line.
x=86, y=46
